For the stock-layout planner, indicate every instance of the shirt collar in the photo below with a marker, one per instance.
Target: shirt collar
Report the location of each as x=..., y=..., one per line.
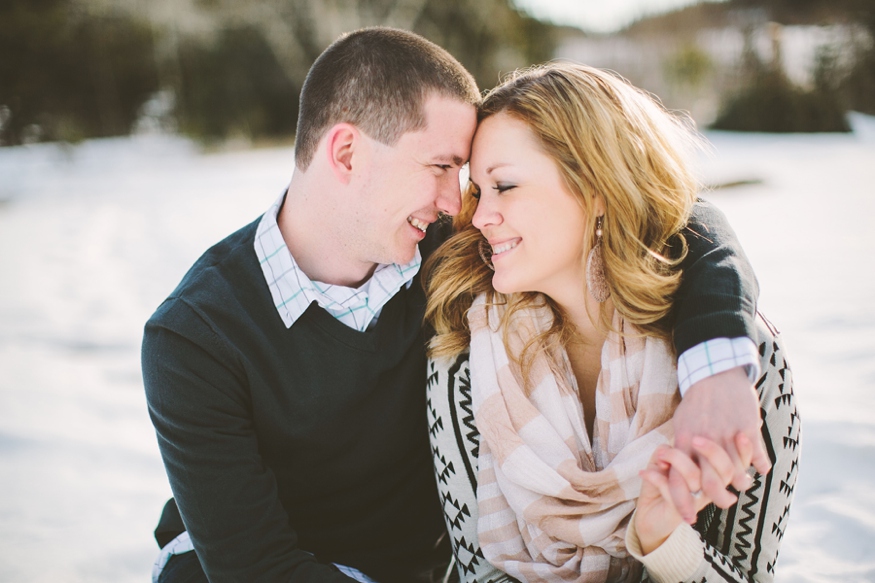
x=293, y=292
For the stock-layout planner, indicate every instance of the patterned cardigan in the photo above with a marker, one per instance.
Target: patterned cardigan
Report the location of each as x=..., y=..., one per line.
x=736, y=544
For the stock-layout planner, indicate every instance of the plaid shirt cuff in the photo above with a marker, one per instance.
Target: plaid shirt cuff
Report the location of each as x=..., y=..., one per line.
x=715, y=356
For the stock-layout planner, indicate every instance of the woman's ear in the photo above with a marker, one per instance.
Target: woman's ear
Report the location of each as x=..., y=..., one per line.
x=341, y=144
x=598, y=205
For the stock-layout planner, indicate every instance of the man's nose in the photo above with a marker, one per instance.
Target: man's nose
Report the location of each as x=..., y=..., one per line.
x=450, y=196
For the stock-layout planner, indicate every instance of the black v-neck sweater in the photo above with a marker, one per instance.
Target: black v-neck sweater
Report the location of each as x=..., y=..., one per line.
x=275, y=440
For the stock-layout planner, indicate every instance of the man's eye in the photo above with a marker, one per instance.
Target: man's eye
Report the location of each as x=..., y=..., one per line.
x=443, y=167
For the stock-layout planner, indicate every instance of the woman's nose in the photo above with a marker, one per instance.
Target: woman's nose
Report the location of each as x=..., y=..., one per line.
x=486, y=214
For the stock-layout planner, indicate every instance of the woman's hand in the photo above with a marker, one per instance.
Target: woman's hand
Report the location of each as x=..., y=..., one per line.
x=656, y=516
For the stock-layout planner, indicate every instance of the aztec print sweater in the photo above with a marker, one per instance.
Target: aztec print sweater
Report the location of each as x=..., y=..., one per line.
x=737, y=544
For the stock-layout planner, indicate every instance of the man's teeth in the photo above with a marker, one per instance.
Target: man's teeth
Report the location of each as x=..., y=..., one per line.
x=421, y=225
x=504, y=247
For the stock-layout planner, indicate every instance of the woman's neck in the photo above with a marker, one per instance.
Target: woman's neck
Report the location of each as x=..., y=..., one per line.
x=584, y=352
x=585, y=314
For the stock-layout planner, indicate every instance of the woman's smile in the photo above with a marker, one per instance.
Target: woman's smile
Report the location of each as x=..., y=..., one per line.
x=504, y=247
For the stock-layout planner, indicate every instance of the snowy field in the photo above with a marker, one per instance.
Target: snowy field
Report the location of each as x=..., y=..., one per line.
x=93, y=237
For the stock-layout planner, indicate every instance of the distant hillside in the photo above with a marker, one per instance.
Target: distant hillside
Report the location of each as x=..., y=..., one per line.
x=767, y=65
x=685, y=21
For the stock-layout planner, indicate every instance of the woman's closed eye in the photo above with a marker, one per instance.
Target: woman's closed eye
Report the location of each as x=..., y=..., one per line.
x=500, y=187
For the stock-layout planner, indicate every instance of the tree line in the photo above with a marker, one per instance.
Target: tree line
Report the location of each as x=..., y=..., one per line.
x=71, y=69
x=219, y=69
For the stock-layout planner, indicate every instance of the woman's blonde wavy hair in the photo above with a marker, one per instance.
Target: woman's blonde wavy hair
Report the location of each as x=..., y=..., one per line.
x=607, y=138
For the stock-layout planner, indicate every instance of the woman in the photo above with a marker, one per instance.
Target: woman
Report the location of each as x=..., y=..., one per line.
x=560, y=281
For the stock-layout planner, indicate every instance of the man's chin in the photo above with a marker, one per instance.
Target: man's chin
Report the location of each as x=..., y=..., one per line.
x=404, y=257
x=404, y=260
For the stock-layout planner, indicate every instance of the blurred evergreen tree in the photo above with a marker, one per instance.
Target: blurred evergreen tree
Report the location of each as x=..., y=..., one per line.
x=234, y=86
x=490, y=38
x=245, y=80
x=803, y=11
x=67, y=75
x=769, y=102
x=858, y=88
x=854, y=86
x=772, y=103
x=689, y=66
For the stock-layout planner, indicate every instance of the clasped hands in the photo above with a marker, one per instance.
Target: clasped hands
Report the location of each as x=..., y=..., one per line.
x=717, y=439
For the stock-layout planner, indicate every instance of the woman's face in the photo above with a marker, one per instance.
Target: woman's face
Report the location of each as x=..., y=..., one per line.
x=535, y=226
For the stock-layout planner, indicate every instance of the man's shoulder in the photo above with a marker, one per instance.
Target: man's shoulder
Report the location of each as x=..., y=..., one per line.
x=705, y=218
x=223, y=262
x=225, y=271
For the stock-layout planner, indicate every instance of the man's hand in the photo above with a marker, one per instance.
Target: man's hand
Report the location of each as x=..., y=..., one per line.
x=719, y=408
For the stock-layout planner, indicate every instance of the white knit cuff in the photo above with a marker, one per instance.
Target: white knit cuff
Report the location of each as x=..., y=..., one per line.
x=676, y=559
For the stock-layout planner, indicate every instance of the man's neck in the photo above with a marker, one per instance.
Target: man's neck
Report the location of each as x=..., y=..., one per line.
x=308, y=224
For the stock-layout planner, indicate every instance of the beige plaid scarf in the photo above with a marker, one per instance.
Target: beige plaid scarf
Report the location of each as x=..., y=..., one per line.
x=553, y=507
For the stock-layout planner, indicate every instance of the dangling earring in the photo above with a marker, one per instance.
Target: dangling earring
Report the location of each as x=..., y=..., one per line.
x=596, y=282
x=486, y=253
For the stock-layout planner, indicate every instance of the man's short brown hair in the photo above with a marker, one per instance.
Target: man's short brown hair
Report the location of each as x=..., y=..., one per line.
x=378, y=80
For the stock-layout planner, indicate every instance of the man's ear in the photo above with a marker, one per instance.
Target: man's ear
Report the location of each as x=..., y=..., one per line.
x=343, y=142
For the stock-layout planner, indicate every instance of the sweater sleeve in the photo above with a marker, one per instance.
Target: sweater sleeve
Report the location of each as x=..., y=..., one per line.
x=718, y=292
x=741, y=543
x=228, y=498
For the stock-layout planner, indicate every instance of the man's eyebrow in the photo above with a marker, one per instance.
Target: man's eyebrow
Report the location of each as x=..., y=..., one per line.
x=455, y=160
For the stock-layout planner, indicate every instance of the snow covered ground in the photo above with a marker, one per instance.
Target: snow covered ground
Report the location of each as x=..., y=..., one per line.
x=93, y=237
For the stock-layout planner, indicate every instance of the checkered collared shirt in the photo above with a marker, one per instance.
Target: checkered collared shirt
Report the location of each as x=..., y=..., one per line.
x=293, y=292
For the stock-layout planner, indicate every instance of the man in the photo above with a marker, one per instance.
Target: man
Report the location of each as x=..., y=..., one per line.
x=285, y=375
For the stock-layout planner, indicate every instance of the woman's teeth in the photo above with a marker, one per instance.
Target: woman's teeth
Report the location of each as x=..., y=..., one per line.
x=504, y=247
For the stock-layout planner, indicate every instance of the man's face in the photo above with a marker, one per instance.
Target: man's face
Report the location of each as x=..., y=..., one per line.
x=405, y=186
